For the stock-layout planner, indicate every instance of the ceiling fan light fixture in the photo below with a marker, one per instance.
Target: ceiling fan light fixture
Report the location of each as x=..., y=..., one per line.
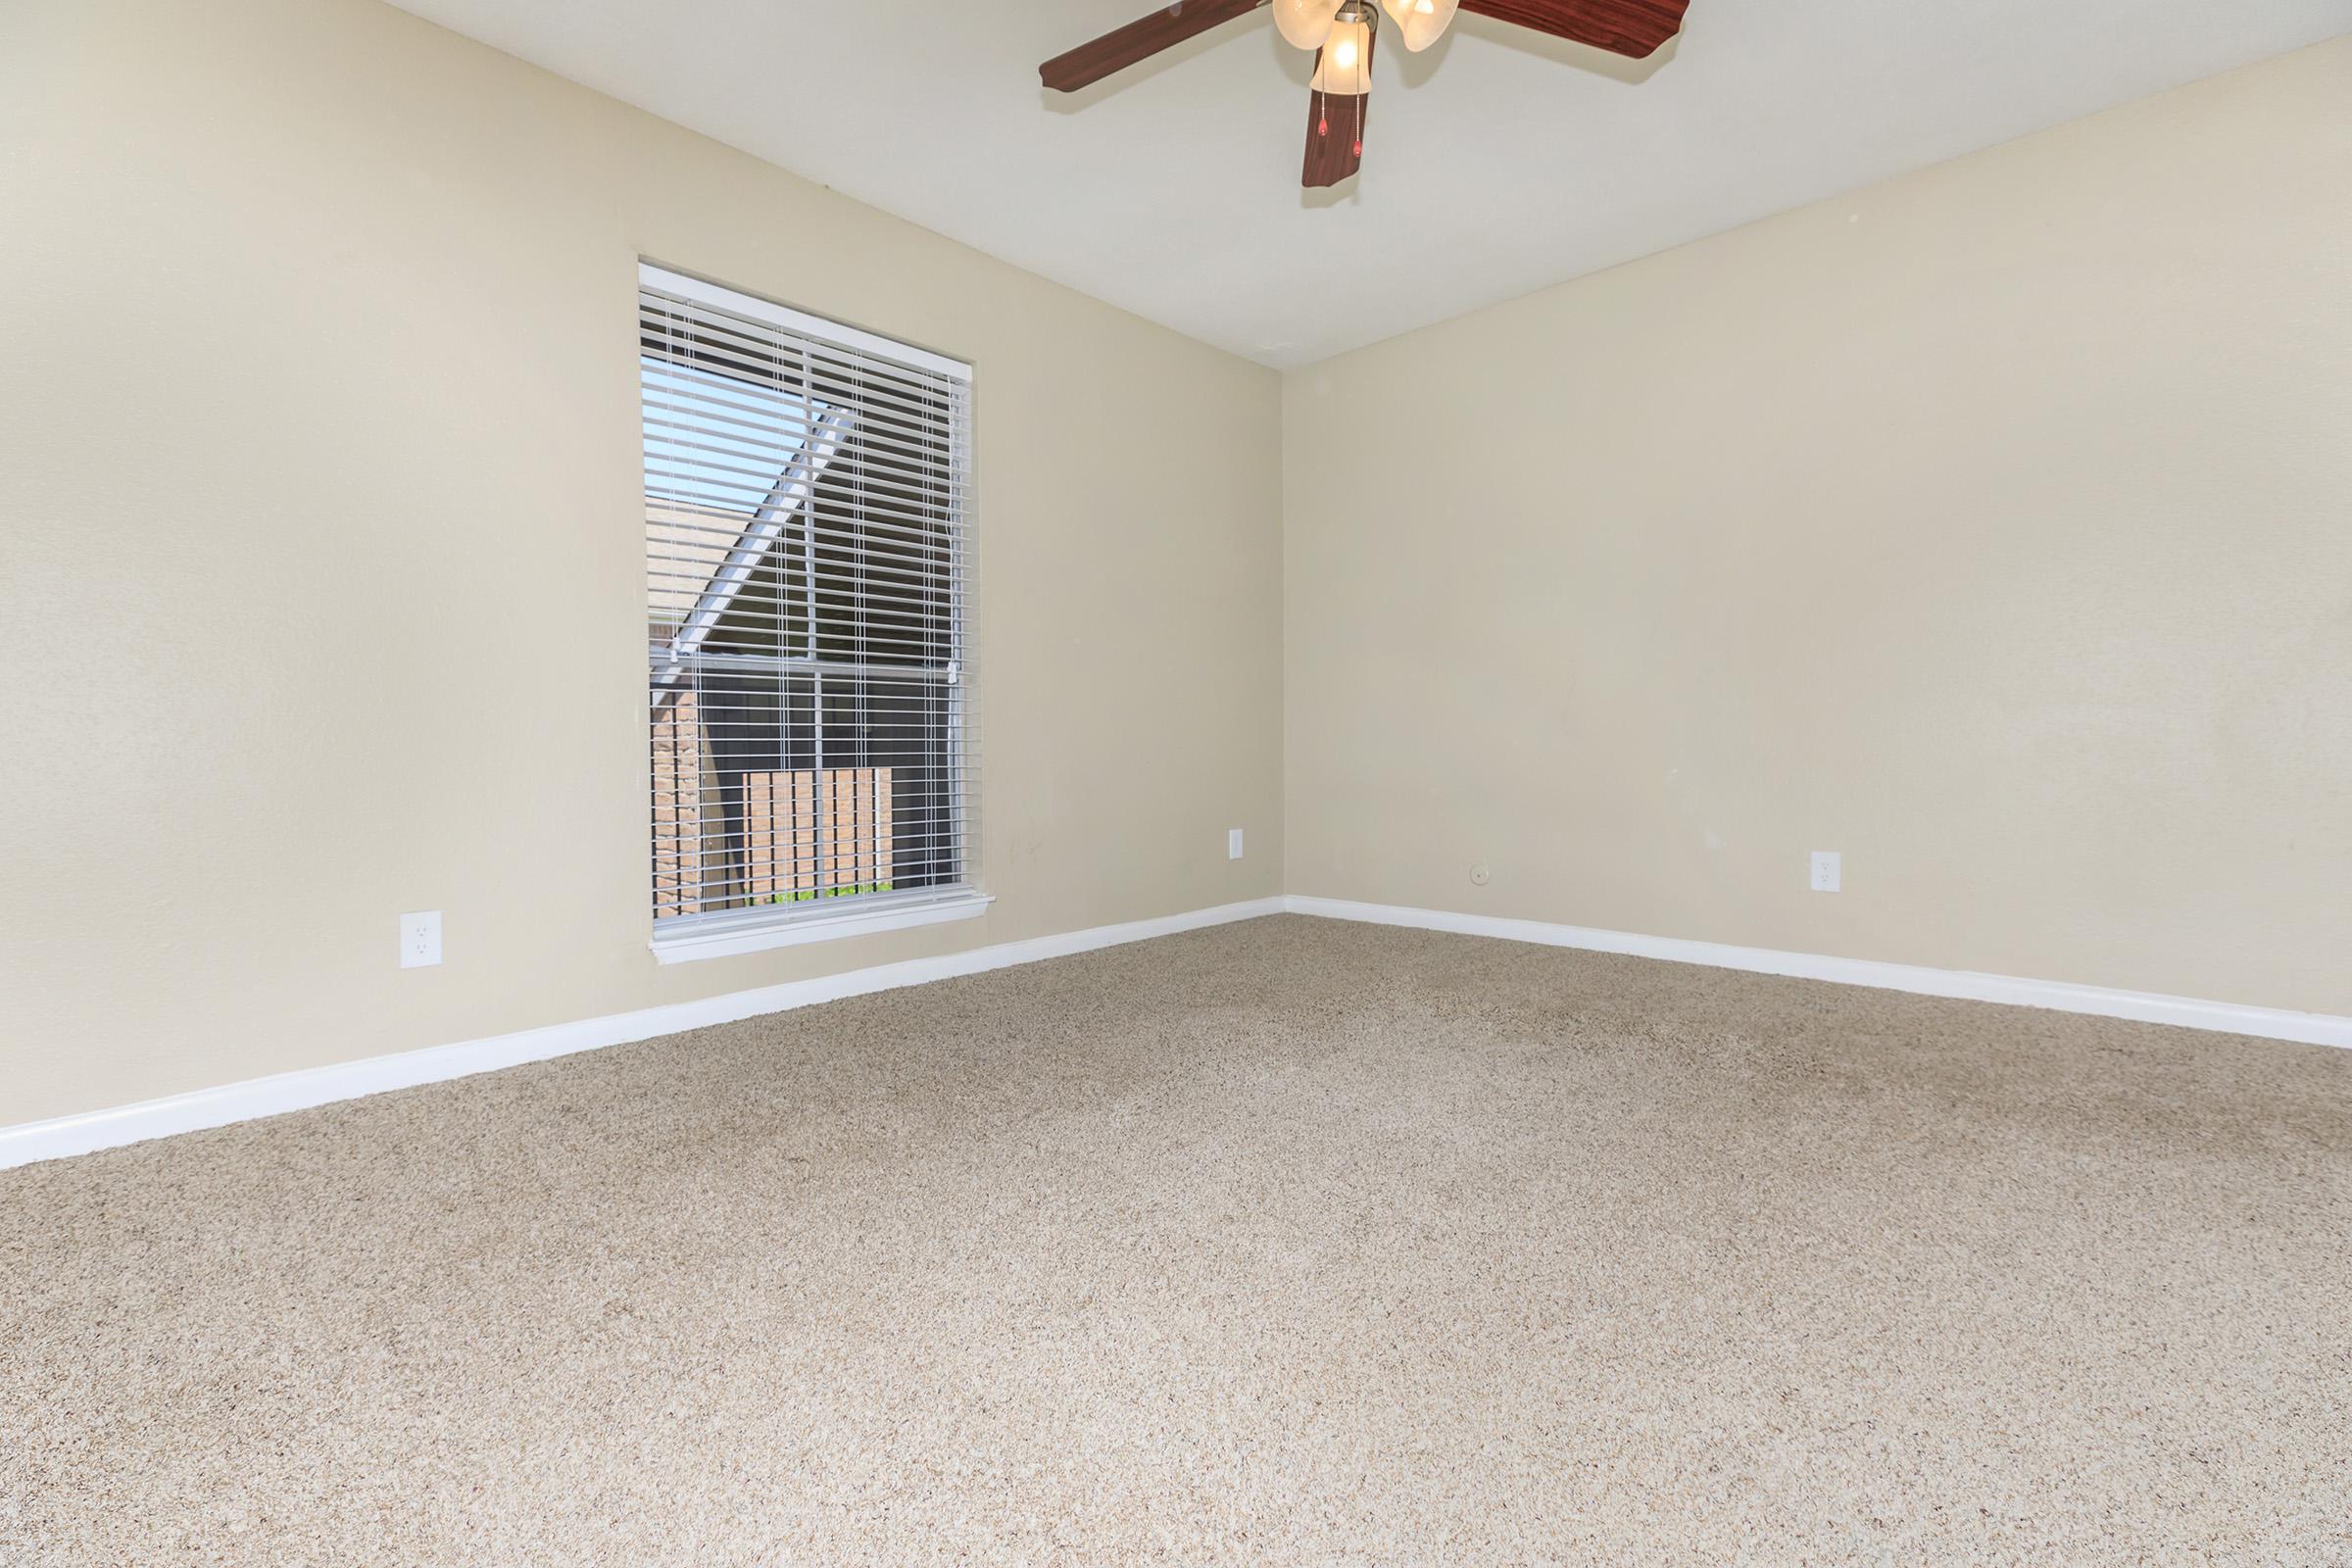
x=1422, y=22
x=1305, y=23
x=1345, y=68
x=1341, y=35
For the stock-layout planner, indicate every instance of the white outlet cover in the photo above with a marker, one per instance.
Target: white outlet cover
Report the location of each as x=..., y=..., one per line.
x=1233, y=844
x=1828, y=870
x=420, y=940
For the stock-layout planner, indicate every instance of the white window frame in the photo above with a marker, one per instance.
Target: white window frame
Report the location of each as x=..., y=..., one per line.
x=752, y=930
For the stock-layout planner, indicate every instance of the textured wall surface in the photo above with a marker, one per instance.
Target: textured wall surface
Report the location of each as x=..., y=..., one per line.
x=1989, y=527
x=1992, y=526
x=322, y=548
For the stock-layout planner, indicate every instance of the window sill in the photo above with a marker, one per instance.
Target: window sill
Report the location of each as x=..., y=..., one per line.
x=685, y=947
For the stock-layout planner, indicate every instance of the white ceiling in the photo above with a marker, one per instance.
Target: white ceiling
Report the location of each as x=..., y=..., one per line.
x=1497, y=163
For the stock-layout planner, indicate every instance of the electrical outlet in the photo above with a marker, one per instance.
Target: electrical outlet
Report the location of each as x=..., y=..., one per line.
x=420, y=940
x=1828, y=870
x=1233, y=844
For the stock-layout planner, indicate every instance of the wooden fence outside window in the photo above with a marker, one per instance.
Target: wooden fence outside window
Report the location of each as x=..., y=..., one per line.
x=807, y=833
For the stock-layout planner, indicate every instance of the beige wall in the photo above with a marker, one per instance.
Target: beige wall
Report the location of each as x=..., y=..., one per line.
x=1992, y=526
x=320, y=548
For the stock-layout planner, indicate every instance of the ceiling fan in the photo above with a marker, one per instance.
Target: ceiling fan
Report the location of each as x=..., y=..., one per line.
x=1341, y=32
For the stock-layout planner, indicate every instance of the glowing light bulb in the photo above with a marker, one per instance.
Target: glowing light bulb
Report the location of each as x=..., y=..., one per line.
x=1346, y=69
x=1305, y=23
x=1422, y=22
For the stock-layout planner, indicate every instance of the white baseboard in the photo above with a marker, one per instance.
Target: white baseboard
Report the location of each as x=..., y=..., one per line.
x=319, y=1086
x=2188, y=1013
x=273, y=1095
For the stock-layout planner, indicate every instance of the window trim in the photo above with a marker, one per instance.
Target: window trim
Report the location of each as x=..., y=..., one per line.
x=687, y=286
x=758, y=930
x=727, y=933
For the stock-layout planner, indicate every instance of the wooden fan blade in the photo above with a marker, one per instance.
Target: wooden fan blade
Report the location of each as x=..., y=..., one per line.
x=1138, y=40
x=1334, y=139
x=1334, y=130
x=1634, y=27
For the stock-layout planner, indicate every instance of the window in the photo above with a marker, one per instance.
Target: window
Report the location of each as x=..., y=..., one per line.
x=809, y=550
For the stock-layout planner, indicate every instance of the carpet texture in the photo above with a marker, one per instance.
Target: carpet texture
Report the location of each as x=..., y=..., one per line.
x=1285, y=1242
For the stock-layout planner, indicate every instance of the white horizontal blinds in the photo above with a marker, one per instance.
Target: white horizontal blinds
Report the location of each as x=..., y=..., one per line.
x=808, y=573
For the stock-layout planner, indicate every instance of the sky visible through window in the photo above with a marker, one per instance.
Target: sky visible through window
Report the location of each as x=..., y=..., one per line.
x=713, y=440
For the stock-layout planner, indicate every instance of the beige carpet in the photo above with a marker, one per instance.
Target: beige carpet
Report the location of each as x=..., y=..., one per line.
x=1292, y=1242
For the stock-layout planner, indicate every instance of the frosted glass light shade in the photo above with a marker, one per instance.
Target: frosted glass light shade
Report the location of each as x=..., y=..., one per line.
x=1422, y=22
x=1305, y=24
x=1346, y=69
